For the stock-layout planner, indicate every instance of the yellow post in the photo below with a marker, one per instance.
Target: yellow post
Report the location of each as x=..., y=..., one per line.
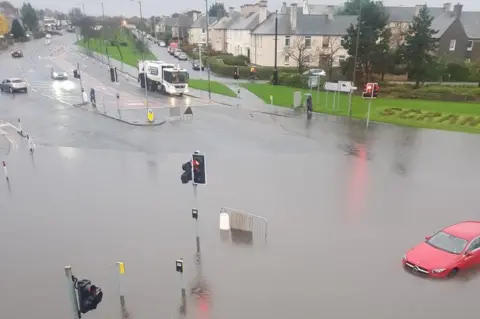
x=121, y=267
x=150, y=115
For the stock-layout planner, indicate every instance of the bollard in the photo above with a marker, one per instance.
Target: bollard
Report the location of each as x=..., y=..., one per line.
x=72, y=293
x=20, y=130
x=5, y=170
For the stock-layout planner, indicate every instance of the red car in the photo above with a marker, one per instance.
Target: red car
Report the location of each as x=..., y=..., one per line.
x=447, y=252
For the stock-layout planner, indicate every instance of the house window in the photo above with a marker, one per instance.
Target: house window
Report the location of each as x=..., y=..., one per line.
x=452, y=45
x=470, y=45
x=203, y=30
x=325, y=42
x=308, y=42
x=287, y=60
x=467, y=61
x=287, y=41
x=341, y=59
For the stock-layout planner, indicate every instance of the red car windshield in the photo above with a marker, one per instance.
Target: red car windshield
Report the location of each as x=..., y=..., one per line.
x=447, y=242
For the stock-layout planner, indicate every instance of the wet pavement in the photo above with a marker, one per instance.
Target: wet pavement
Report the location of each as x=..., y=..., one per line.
x=343, y=205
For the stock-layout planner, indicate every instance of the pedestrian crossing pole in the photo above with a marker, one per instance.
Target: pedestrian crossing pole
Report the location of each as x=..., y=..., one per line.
x=81, y=83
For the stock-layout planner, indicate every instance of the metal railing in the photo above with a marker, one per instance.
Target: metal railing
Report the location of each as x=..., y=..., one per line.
x=246, y=222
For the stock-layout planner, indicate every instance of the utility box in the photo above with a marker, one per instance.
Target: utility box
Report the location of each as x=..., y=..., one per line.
x=297, y=99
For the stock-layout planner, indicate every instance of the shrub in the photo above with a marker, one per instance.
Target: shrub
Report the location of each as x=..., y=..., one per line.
x=292, y=79
x=235, y=60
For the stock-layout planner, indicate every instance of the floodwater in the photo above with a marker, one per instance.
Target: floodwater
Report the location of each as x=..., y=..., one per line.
x=340, y=218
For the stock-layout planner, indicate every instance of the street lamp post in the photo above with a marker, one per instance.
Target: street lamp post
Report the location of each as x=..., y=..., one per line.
x=143, y=55
x=208, y=41
x=103, y=34
x=355, y=59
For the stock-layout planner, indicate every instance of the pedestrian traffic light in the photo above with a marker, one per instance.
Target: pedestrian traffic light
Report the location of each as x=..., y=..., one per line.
x=89, y=296
x=236, y=73
x=179, y=265
x=199, y=172
x=113, y=74
x=187, y=172
x=76, y=74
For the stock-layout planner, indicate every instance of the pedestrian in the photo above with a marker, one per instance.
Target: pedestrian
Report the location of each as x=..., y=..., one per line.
x=309, y=107
x=31, y=144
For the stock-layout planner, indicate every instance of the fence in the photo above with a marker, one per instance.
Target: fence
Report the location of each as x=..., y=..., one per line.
x=251, y=224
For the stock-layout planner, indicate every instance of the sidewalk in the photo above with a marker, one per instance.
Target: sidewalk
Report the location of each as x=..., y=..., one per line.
x=136, y=117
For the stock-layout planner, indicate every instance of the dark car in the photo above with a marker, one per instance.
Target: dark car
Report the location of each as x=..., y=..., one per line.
x=17, y=54
x=196, y=65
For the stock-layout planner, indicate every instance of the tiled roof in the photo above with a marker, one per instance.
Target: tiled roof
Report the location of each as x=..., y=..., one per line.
x=312, y=24
x=226, y=22
x=200, y=22
x=406, y=14
x=442, y=22
x=471, y=24
x=245, y=23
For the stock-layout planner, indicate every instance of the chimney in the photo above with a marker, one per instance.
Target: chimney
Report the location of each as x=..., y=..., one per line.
x=447, y=7
x=262, y=13
x=305, y=7
x=293, y=16
x=457, y=9
x=194, y=15
x=418, y=7
x=284, y=8
x=330, y=11
x=231, y=10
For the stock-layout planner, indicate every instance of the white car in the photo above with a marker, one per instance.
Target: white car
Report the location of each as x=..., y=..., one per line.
x=48, y=36
x=59, y=75
x=162, y=44
x=177, y=52
x=315, y=72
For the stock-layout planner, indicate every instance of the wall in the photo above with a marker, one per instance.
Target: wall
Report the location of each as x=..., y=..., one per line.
x=196, y=35
x=238, y=42
x=454, y=32
x=262, y=52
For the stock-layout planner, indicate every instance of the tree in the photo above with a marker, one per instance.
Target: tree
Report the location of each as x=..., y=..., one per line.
x=353, y=7
x=300, y=51
x=217, y=10
x=326, y=53
x=371, y=22
x=17, y=30
x=4, y=27
x=383, y=54
x=75, y=15
x=7, y=5
x=420, y=46
x=29, y=17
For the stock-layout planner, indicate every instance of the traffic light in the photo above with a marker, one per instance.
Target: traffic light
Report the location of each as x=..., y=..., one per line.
x=89, y=296
x=236, y=73
x=199, y=172
x=179, y=265
x=76, y=74
x=187, y=172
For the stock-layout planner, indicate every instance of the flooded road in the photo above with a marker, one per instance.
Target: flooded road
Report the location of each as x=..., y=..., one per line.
x=343, y=206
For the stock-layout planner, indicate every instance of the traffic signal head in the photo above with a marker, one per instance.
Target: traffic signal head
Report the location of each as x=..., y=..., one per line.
x=187, y=173
x=89, y=296
x=76, y=74
x=199, y=170
x=113, y=74
x=179, y=265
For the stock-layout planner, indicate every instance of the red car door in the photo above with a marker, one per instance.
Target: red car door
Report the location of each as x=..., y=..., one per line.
x=472, y=256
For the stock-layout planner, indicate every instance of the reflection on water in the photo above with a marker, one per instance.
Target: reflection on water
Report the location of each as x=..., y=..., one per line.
x=404, y=149
x=61, y=88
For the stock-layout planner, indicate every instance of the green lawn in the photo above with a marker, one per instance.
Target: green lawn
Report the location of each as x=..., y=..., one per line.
x=443, y=115
x=129, y=53
x=215, y=87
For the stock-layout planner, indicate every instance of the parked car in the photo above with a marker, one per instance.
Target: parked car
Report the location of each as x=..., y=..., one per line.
x=177, y=52
x=162, y=44
x=447, y=252
x=315, y=72
x=48, y=36
x=13, y=85
x=182, y=56
x=17, y=54
x=196, y=65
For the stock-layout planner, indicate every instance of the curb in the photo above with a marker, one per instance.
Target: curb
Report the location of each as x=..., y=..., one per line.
x=132, y=123
x=201, y=98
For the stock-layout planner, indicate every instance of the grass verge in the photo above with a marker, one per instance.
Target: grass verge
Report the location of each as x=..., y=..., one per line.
x=215, y=87
x=129, y=53
x=453, y=116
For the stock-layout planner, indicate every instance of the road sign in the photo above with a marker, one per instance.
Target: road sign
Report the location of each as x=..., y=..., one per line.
x=313, y=81
x=346, y=86
x=150, y=115
x=330, y=86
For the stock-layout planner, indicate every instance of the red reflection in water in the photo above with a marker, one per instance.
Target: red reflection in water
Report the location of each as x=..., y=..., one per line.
x=357, y=184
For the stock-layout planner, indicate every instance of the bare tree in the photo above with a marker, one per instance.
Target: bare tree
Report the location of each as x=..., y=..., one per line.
x=326, y=53
x=300, y=51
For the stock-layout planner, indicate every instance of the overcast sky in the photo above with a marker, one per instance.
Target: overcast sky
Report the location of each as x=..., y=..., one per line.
x=155, y=7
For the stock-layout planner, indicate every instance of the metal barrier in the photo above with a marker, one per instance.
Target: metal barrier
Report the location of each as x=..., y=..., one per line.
x=257, y=225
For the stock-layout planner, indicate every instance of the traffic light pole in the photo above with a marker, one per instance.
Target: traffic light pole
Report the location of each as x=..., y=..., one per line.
x=71, y=293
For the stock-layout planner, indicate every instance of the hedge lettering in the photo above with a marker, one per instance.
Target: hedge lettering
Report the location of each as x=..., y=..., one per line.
x=429, y=116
